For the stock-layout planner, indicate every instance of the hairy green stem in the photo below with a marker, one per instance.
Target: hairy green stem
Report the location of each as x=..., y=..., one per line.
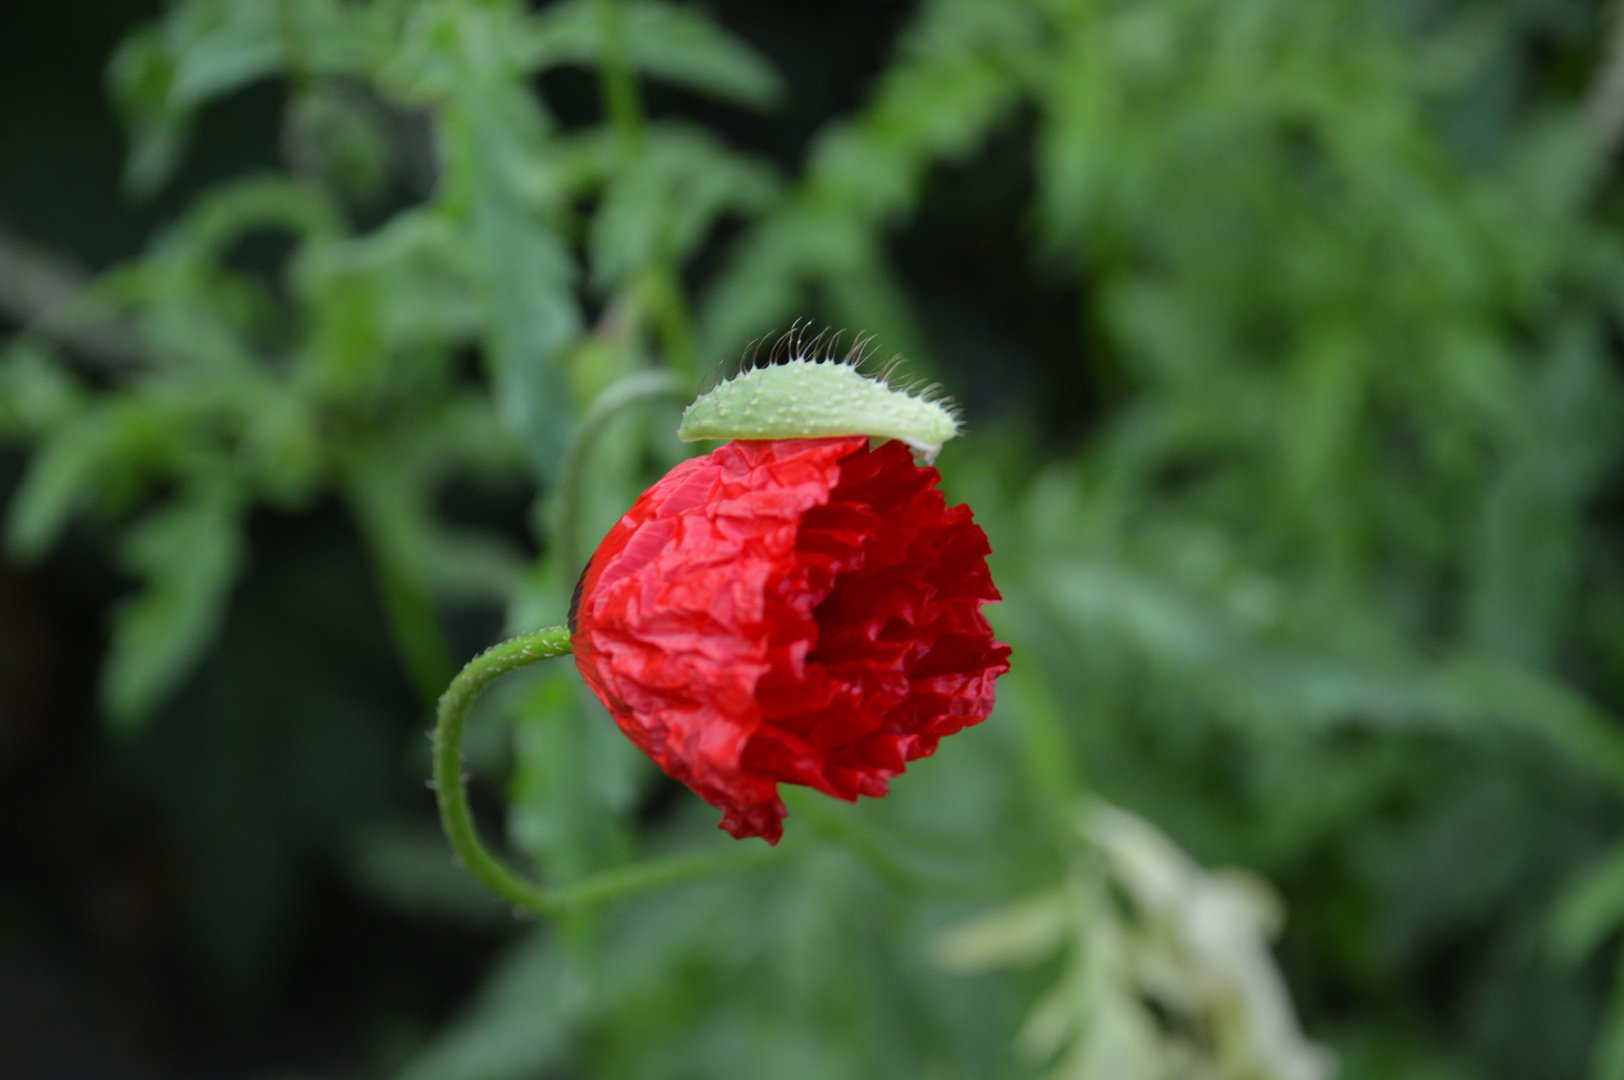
x=620, y=395
x=451, y=790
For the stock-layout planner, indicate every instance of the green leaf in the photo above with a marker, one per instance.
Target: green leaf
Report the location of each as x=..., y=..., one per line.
x=106, y=449
x=575, y=779
x=1589, y=909
x=1526, y=555
x=940, y=101
x=203, y=49
x=188, y=554
x=677, y=44
x=335, y=134
x=225, y=213
x=800, y=252
x=406, y=868
x=385, y=490
x=221, y=45
x=386, y=305
x=37, y=394
x=665, y=202
x=1609, y=1050
x=519, y=1022
x=529, y=275
x=140, y=77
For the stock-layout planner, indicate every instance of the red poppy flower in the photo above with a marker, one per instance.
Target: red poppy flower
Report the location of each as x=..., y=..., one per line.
x=804, y=611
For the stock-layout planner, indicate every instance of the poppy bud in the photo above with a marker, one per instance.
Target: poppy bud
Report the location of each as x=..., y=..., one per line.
x=801, y=610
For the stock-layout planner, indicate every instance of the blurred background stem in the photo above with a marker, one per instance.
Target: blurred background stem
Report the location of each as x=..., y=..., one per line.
x=643, y=386
x=659, y=287
x=621, y=101
x=408, y=600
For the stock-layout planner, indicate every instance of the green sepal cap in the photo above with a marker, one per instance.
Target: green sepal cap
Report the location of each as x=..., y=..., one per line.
x=810, y=399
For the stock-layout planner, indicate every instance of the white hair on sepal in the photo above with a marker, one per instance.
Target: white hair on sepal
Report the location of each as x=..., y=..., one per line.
x=805, y=392
x=889, y=369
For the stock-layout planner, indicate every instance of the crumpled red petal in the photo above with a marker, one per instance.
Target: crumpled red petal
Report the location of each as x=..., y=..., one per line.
x=802, y=610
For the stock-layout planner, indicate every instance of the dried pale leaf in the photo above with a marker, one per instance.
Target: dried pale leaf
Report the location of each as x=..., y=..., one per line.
x=1021, y=933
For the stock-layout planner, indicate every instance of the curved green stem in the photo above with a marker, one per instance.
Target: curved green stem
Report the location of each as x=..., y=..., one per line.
x=451, y=791
x=643, y=386
x=449, y=787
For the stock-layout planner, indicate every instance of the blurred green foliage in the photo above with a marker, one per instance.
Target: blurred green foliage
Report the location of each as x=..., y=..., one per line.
x=1328, y=586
